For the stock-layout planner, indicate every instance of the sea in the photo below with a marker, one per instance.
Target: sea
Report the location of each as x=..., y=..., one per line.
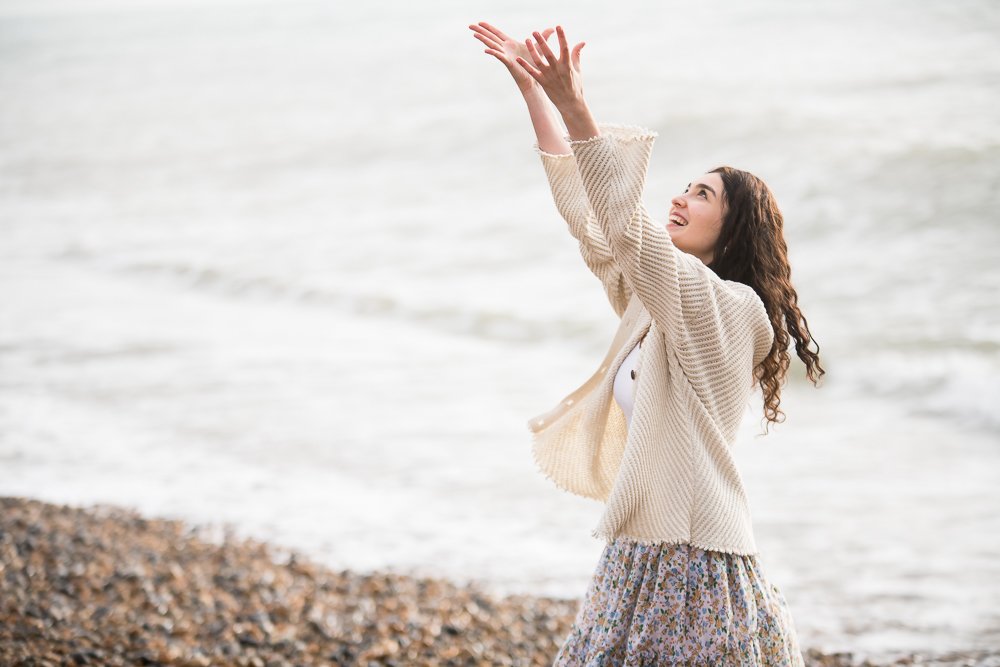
x=294, y=268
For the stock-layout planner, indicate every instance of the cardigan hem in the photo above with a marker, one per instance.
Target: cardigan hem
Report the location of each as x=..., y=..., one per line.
x=651, y=541
x=545, y=153
x=640, y=133
x=635, y=133
x=535, y=442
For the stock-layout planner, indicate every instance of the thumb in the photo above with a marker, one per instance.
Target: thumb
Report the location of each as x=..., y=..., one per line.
x=576, y=55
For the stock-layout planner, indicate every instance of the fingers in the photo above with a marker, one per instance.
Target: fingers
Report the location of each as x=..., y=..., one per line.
x=488, y=41
x=534, y=54
x=498, y=54
x=535, y=74
x=493, y=47
x=538, y=49
x=501, y=57
x=546, y=51
x=496, y=31
x=576, y=55
x=563, y=46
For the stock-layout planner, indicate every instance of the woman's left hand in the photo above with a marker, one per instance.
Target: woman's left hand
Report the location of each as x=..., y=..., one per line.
x=559, y=77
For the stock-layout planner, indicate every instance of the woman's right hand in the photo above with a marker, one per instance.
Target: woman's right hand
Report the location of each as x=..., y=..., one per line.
x=507, y=50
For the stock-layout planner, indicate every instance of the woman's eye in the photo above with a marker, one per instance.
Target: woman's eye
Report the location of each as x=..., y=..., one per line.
x=703, y=194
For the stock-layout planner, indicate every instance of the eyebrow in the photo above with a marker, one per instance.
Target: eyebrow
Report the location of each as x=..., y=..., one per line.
x=706, y=186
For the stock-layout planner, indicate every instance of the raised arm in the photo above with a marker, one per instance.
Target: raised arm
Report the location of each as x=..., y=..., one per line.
x=560, y=166
x=571, y=201
x=673, y=285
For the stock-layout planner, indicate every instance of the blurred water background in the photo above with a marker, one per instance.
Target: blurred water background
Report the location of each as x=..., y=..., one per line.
x=293, y=266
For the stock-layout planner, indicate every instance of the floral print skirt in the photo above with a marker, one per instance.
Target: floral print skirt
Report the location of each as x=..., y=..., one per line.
x=677, y=604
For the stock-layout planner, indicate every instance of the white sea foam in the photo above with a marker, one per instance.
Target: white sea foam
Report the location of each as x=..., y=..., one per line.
x=296, y=268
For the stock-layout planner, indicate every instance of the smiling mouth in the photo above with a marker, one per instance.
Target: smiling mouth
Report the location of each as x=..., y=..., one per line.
x=678, y=220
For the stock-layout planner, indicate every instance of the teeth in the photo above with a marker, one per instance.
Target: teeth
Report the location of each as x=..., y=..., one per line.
x=677, y=220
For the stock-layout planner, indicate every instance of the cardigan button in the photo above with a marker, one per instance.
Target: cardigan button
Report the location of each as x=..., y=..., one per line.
x=633, y=373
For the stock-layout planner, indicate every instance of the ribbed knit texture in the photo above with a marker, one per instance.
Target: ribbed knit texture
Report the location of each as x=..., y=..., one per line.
x=670, y=477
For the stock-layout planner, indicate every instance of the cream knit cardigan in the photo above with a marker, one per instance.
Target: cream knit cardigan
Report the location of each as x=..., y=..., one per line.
x=670, y=477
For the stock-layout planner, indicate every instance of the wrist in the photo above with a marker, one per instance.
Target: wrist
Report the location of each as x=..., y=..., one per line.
x=575, y=108
x=532, y=91
x=580, y=124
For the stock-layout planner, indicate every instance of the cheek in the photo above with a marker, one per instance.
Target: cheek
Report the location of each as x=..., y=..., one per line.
x=709, y=223
x=710, y=217
x=705, y=214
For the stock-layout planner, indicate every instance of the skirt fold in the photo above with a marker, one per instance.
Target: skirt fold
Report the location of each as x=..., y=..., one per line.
x=676, y=604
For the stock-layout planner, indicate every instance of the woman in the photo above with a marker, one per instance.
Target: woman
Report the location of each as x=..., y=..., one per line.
x=706, y=308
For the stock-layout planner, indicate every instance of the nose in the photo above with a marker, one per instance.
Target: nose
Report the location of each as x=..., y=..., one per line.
x=679, y=201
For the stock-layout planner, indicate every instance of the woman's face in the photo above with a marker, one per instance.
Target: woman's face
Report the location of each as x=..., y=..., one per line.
x=696, y=217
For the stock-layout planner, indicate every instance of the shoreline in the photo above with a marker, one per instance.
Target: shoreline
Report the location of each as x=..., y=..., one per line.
x=103, y=585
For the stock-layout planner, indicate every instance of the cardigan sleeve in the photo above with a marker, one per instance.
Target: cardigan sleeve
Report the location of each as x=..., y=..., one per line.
x=571, y=201
x=673, y=285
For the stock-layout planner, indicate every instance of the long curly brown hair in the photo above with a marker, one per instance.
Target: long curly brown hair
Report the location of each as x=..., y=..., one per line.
x=751, y=249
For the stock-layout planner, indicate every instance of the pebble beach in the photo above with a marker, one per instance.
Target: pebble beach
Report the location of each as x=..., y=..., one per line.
x=283, y=282
x=296, y=269
x=103, y=585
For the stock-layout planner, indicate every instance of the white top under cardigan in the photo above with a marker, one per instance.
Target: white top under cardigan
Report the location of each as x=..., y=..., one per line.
x=624, y=388
x=668, y=474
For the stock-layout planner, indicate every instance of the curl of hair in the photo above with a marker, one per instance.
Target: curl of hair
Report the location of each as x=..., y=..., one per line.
x=751, y=249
